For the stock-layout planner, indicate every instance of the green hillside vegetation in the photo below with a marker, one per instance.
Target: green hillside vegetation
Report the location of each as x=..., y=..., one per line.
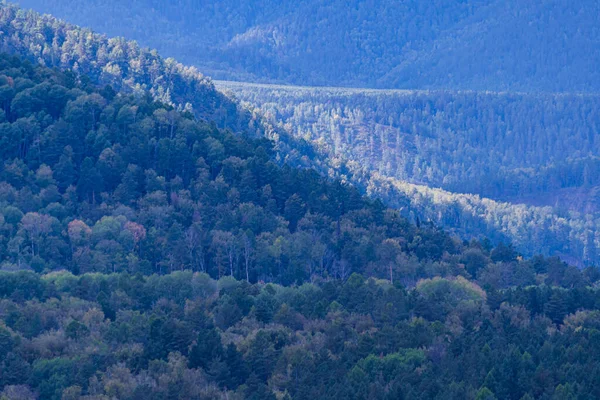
x=187, y=336
x=411, y=44
x=99, y=182
x=136, y=242
x=159, y=241
x=132, y=70
x=117, y=62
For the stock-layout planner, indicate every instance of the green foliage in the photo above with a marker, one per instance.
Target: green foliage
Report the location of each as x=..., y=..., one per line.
x=146, y=207
x=100, y=61
x=485, y=394
x=163, y=339
x=511, y=119
x=150, y=190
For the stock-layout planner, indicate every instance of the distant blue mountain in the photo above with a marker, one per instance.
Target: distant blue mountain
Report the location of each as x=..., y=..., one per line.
x=450, y=44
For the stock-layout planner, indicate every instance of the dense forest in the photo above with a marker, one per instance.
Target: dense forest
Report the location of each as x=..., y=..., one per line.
x=497, y=145
x=490, y=152
x=100, y=182
x=128, y=68
x=411, y=44
x=133, y=70
x=136, y=243
x=160, y=241
x=186, y=336
x=121, y=63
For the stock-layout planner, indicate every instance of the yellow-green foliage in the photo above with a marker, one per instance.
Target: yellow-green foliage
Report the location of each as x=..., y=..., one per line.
x=454, y=290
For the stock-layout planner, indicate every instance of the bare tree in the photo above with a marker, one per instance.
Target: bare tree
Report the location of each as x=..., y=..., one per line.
x=248, y=252
x=194, y=236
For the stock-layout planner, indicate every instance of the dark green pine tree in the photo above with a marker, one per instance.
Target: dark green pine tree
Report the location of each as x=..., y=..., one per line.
x=6, y=342
x=14, y=370
x=294, y=210
x=90, y=184
x=261, y=356
x=219, y=372
x=208, y=347
x=257, y=390
x=64, y=170
x=485, y=394
x=238, y=371
x=556, y=308
x=129, y=188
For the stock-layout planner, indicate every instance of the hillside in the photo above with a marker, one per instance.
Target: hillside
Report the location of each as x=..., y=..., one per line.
x=117, y=62
x=93, y=181
x=533, y=230
x=442, y=44
x=131, y=69
x=516, y=167
x=159, y=240
x=497, y=145
x=136, y=243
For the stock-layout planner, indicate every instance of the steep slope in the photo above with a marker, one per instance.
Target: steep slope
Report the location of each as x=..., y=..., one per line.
x=117, y=62
x=448, y=44
x=532, y=229
x=509, y=147
x=99, y=182
x=128, y=68
x=136, y=242
x=498, y=145
x=136, y=236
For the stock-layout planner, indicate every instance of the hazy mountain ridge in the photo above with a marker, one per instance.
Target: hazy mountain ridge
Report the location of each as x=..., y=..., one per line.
x=510, y=45
x=446, y=44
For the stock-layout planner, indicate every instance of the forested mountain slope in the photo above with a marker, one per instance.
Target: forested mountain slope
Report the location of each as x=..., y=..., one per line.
x=489, y=151
x=99, y=182
x=444, y=44
x=128, y=68
x=131, y=69
x=119, y=213
x=497, y=145
x=137, y=233
x=118, y=62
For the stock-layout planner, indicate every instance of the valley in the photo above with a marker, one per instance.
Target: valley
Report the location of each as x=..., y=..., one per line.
x=508, y=159
x=282, y=200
